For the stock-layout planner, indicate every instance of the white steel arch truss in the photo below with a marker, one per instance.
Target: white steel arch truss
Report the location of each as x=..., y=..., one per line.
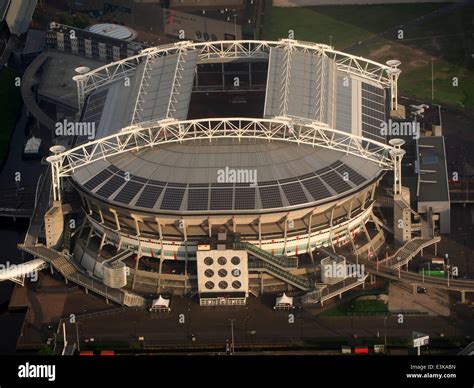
x=149, y=134
x=224, y=50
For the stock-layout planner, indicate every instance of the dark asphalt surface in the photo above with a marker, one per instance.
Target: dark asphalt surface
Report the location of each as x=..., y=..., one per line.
x=256, y=323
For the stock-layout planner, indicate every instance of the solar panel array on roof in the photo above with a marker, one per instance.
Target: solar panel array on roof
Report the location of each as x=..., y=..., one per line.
x=222, y=195
x=373, y=111
x=94, y=106
x=92, y=112
x=336, y=164
x=288, y=180
x=138, y=179
x=128, y=192
x=172, y=198
x=99, y=178
x=244, y=198
x=267, y=183
x=156, y=183
x=114, y=168
x=334, y=180
x=343, y=102
x=270, y=196
x=198, y=199
x=176, y=184
x=111, y=186
x=352, y=175
x=323, y=170
x=316, y=188
x=305, y=176
x=149, y=196
x=221, y=199
x=294, y=193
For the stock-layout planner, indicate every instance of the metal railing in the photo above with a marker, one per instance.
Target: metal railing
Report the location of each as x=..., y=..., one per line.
x=294, y=280
x=282, y=262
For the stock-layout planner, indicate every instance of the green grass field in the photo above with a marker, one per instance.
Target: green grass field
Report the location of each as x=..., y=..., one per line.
x=346, y=24
x=358, y=307
x=445, y=37
x=10, y=105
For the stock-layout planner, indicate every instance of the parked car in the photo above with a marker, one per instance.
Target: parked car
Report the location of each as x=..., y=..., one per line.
x=421, y=290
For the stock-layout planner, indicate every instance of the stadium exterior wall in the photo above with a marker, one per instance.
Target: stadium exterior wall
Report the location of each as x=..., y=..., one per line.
x=332, y=221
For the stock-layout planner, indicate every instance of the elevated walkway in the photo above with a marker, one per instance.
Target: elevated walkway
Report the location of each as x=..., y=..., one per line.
x=408, y=251
x=17, y=272
x=326, y=292
x=282, y=262
x=296, y=281
x=276, y=266
x=64, y=266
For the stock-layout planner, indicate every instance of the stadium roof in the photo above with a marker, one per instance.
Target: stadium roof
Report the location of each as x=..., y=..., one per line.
x=186, y=177
x=297, y=84
x=432, y=177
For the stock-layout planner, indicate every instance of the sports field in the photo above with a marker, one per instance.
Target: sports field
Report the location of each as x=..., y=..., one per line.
x=430, y=31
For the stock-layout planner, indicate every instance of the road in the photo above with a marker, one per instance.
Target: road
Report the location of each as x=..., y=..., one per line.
x=256, y=323
x=414, y=278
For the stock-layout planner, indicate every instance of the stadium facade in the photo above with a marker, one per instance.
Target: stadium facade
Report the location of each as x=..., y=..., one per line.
x=158, y=184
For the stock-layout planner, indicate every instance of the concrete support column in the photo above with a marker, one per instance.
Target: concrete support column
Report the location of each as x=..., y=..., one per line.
x=260, y=232
x=308, y=249
x=364, y=200
x=349, y=212
x=102, y=242
x=136, y=268
x=372, y=194
x=137, y=226
x=117, y=222
x=101, y=216
x=285, y=234
x=463, y=296
x=87, y=244
x=330, y=230
x=186, y=257
x=162, y=256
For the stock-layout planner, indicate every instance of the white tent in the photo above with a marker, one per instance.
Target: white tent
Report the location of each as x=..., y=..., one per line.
x=284, y=301
x=160, y=304
x=32, y=145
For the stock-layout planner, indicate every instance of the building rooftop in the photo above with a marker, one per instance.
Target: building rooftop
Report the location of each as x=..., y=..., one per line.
x=432, y=178
x=226, y=175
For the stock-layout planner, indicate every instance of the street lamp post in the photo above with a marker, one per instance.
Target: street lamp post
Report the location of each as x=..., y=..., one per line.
x=77, y=337
x=448, y=267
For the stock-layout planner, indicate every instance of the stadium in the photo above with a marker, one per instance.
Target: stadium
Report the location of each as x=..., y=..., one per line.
x=220, y=167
